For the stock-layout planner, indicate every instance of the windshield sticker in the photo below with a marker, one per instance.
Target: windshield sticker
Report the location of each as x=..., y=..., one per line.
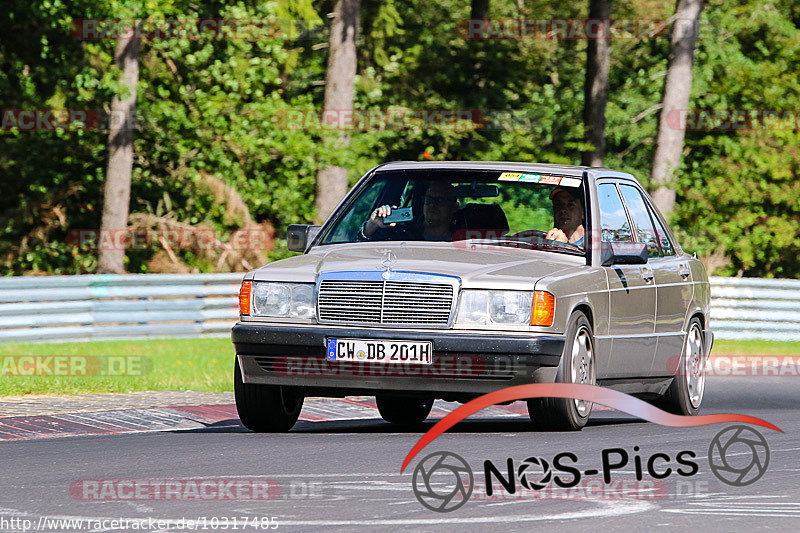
x=570, y=182
x=550, y=180
x=533, y=178
x=510, y=176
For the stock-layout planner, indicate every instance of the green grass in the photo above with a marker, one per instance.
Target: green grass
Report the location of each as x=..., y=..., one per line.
x=200, y=364
x=728, y=347
x=176, y=364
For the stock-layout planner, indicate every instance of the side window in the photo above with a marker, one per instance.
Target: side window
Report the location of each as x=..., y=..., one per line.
x=666, y=246
x=614, y=224
x=645, y=232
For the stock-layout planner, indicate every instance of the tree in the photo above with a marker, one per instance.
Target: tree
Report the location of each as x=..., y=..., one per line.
x=339, y=91
x=677, y=87
x=117, y=189
x=479, y=9
x=598, y=52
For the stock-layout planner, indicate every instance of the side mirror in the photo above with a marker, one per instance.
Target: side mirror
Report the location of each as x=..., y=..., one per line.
x=298, y=236
x=623, y=253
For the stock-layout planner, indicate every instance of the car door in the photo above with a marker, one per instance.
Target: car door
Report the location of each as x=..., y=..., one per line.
x=672, y=280
x=632, y=294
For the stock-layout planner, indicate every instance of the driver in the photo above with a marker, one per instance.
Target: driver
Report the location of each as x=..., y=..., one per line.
x=439, y=207
x=567, y=216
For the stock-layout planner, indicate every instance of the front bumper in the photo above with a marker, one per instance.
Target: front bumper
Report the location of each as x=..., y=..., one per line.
x=463, y=361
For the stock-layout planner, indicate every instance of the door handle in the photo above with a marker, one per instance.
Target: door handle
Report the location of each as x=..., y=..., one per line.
x=684, y=271
x=647, y=274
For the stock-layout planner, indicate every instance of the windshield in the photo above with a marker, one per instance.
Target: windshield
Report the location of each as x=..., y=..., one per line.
x=528, y=210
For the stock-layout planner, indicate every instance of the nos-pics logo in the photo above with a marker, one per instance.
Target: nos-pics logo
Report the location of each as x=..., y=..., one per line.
x=443, y=481
x=443, y=468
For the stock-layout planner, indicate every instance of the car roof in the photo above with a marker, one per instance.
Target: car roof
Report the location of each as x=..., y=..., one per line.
x=563, y=170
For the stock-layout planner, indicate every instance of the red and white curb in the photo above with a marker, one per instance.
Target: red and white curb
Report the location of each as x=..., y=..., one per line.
x=115, y=421
x=187, y=417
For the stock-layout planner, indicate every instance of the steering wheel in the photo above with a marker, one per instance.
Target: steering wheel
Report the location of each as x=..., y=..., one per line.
x=530, y=233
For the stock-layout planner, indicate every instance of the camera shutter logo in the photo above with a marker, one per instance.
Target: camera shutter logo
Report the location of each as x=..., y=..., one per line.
x=738, y=455
x=443, y=482
x=526, y=475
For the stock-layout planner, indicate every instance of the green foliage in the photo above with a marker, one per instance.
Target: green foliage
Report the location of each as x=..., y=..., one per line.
x=213, y=107
x=209, y=106
x=739, y=193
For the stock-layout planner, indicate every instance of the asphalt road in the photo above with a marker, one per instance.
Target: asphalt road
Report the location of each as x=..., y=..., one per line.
x=345, y=475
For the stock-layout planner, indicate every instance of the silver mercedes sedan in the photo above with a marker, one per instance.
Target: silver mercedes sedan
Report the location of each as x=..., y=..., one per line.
x=453, y=279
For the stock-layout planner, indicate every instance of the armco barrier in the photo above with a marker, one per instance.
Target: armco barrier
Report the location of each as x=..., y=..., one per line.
x=95, y=307
x=105, y=306
x=755, y=308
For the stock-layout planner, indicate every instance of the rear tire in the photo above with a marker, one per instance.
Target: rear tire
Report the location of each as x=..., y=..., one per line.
x=265, y=408
x=577, y=366
x=404, y=410
x=685, y=393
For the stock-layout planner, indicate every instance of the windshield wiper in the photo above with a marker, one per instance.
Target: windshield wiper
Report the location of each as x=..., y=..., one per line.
x=545, y=244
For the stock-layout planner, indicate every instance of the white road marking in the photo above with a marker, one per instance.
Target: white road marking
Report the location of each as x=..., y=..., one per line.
x=600, y=510
x=139, y=508
x=741, y=506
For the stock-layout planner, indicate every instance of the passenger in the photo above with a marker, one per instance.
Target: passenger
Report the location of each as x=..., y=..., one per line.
x=440, y=205
x=567, y=215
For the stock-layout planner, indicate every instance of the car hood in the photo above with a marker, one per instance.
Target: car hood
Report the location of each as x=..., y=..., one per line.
x=487, y=267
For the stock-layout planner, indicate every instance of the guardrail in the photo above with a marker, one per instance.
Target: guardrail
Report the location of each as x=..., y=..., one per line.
x=755, y=308
x=104, y=307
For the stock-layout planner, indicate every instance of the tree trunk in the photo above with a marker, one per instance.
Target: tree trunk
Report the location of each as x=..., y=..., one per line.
x=117, y=189
x=677, y=87
x=480, y=9
x=339, y=88
x=598, y=51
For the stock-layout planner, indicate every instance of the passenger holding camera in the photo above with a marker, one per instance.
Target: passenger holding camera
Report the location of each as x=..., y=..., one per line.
x=440, y=205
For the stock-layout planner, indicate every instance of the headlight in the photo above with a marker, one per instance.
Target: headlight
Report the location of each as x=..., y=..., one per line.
x=291, y=300
x=495, y=307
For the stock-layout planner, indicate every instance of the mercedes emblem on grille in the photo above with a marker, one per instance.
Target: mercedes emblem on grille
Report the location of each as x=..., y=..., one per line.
x=387, y=261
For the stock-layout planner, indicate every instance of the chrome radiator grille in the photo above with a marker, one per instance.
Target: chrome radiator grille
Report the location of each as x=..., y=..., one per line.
x=385, y=302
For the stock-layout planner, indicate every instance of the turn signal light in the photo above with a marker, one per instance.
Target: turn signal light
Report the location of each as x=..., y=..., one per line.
x=544, y=309
x=244, y=297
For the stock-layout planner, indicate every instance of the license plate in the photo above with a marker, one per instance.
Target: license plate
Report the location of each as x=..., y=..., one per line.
x=380, y=351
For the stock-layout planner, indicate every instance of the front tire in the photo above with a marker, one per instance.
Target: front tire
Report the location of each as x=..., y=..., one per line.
x=405, y=411
x=265, y=408
x=577, y=366
x=685, y=393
